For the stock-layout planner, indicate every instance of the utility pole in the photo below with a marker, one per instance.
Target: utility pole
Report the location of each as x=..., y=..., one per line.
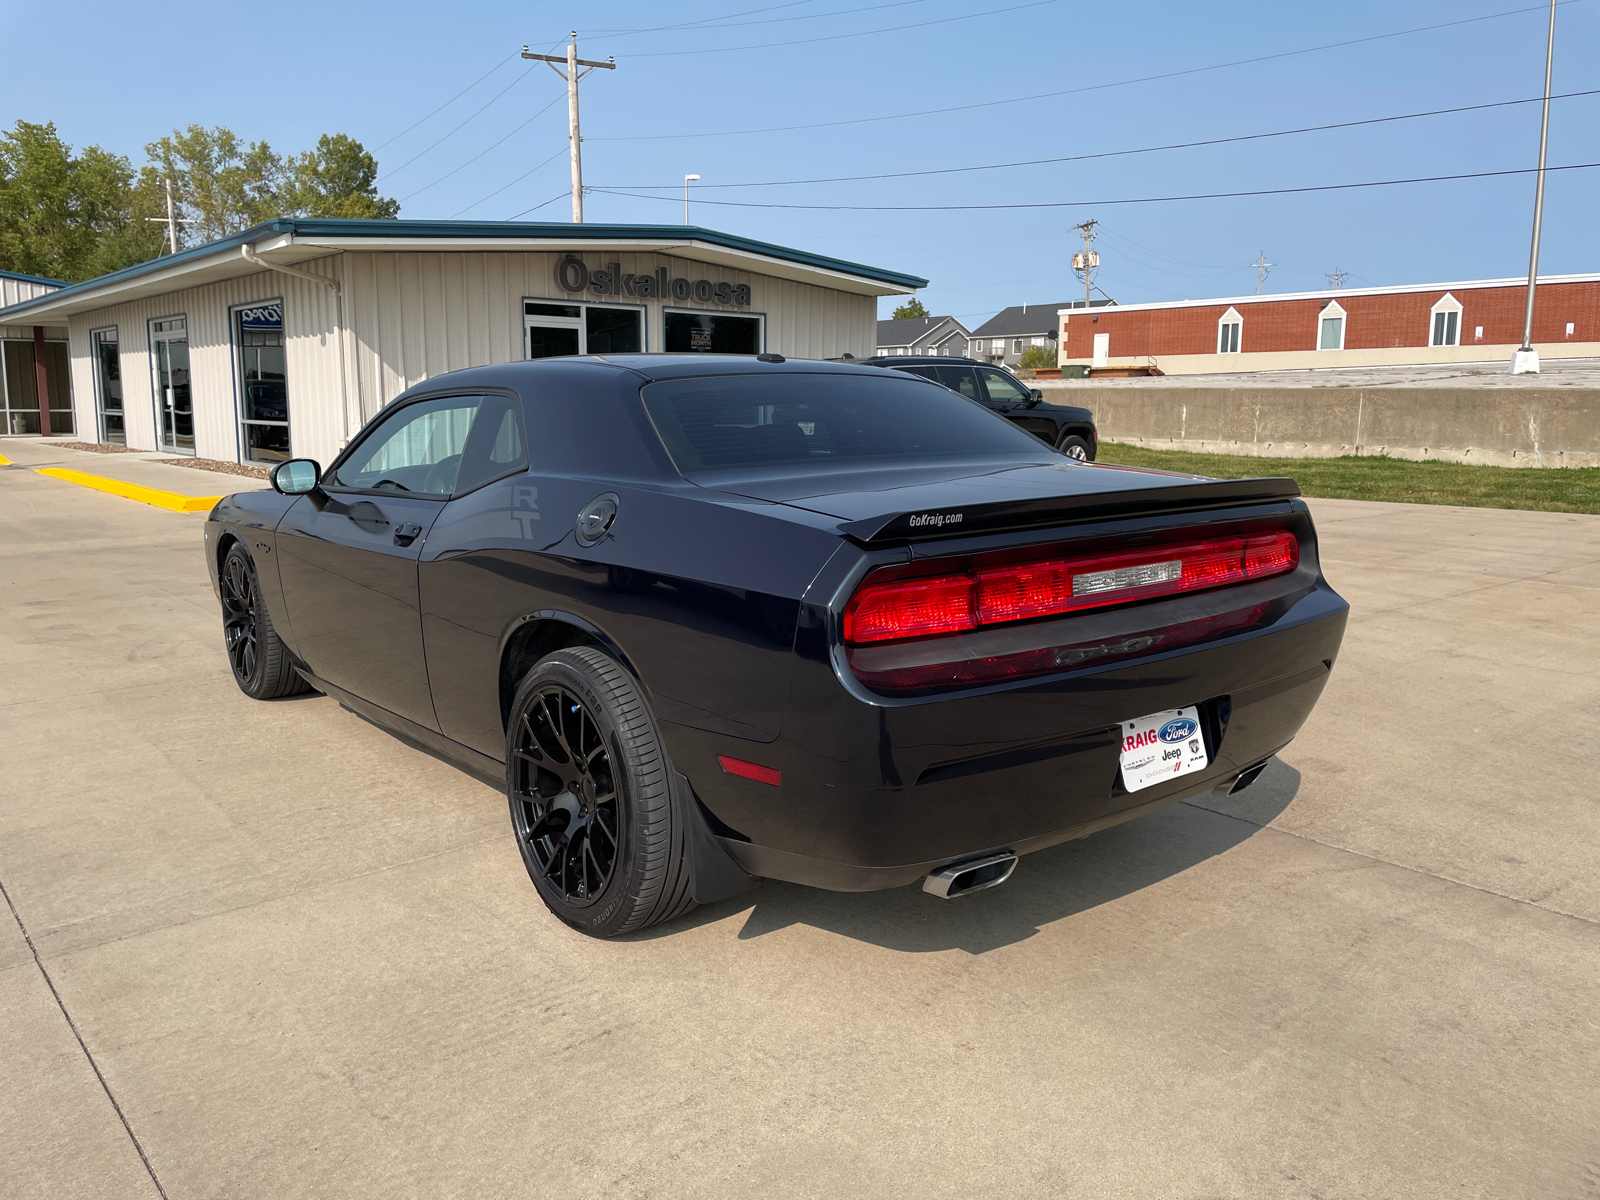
x=1263, y=269
x=687, y=180
x=171, y=220
x=1336, y=278
x=572, y=75
x=1526, y=360
x=1085, y=262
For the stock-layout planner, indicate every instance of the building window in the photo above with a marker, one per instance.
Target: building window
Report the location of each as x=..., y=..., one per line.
x=264, y=380
x=1330, y=328
x=1038, y=341
x=108, y=386
x=1229, y=326
x=1446, y=322
x=1478, y=333
x=997, y=346
x=1016, y=345
x=713, y=333
x=19, y=397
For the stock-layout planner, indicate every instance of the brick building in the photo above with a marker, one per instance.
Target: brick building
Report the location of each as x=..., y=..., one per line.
x=1475, y=321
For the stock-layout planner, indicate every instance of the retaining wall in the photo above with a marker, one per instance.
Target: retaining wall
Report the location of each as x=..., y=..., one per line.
x=1521, y=427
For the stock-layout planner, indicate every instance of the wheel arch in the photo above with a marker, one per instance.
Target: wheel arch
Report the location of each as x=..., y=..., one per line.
x=539, y=633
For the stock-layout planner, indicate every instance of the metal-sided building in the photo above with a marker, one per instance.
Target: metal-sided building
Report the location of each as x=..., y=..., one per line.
x=282, y=340
x=32, y=358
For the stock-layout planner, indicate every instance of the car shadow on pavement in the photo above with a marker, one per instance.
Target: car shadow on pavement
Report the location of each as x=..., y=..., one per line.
x=1047, y=886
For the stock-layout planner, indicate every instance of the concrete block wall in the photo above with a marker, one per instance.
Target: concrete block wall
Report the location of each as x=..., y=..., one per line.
x=1521, y=427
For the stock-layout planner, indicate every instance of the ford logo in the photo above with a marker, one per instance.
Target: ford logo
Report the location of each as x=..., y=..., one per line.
x=1177, y=731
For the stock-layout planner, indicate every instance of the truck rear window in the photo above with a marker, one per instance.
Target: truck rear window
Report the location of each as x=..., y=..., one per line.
x=731, y=422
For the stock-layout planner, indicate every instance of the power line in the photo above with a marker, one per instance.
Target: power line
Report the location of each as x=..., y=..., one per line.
x=1036, y=162
x=704, y=24
x=513, y=183
x=698, y=21
x=1324, y=187
x=449, y=102
x=391, y=174
x=481, y=153
x=835, y=37
x=541, y=204
x=933, y=112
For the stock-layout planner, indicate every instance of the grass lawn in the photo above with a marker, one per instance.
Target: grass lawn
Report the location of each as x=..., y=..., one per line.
x=1552, y=489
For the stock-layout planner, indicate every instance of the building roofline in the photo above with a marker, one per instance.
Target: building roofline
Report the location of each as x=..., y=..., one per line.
x=1341, y=293
x=21, y=278
x=325, y=235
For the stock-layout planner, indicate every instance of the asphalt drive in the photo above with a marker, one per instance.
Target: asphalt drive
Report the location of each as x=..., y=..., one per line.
x=265, y=950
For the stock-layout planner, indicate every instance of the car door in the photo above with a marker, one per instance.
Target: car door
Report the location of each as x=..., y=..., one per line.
x=348, y=557
x=1005, y=395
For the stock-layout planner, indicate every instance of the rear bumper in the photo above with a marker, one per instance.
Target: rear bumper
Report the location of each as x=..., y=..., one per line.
x=876, y=794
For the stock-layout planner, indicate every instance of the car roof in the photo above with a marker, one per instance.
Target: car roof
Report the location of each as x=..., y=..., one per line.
x=902, y=360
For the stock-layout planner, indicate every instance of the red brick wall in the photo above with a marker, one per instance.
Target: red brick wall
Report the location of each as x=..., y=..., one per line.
x=1371, y=322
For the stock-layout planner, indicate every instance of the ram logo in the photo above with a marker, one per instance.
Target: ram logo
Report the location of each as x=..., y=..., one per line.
x=1177, y=731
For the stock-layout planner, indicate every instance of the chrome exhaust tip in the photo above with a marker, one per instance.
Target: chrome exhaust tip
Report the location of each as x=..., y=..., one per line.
x=973, y=875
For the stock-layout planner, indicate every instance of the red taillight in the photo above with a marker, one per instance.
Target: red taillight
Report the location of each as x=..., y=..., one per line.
x=919, y=608
x=953, y=603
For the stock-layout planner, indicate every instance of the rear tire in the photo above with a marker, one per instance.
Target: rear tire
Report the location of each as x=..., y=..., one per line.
x=1074, y=446
x=589, y=785
x=260, y=661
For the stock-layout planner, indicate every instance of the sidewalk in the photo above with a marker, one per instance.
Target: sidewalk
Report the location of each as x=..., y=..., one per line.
x=142, y=468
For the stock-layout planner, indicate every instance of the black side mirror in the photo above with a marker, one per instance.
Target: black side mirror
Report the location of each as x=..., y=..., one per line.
x=297, y=477
x=1034, y=396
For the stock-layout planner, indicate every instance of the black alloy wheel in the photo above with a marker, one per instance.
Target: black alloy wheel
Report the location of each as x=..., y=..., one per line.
x=259, y=660
x=1074, y=446
x=568, y=816
x=590, y=790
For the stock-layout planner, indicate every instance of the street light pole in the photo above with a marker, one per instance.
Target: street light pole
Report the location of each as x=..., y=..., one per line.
x=1526, y=360
x=686, y=181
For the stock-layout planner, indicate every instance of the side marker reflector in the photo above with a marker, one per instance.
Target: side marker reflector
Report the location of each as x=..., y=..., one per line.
x=750, y=770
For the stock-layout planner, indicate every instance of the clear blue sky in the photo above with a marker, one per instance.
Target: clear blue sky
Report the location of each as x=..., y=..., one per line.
x=120, y=76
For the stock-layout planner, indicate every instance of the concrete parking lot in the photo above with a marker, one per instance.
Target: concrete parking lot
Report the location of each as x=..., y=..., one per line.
x=264, y=950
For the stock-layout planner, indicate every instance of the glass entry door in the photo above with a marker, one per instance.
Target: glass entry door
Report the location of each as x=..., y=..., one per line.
x=109, y=376
x=263, y=371
x=174, y=398
x=550, y=330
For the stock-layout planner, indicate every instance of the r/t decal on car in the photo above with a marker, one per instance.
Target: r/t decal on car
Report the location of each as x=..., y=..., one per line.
x=524, y=508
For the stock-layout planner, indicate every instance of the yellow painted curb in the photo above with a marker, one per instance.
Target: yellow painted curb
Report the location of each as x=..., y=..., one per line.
x=132, y=491
x=4, y=461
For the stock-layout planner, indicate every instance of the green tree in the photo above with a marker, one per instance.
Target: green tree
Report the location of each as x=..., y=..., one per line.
x=1035, y=357
x=337, y=179
x=66, y=216
x=221, y=184
x=911, y=308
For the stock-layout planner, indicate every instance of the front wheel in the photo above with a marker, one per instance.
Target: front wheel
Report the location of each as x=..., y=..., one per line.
x=259, y=659
x=589, y=785
x=1074, y=446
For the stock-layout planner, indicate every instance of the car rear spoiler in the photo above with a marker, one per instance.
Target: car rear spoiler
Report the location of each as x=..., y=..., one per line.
x=1010, y=515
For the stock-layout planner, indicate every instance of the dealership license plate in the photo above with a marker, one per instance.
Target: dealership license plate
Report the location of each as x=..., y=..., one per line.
x=1163, y=745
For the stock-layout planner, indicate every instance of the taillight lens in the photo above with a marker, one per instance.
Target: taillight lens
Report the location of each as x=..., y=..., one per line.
x=945, y=604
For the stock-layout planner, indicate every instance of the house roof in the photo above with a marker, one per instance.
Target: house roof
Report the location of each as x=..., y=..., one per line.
x=288, y=240
x=1343, y=293
x=1021, y=320
x=39, y=279
x=907, y=331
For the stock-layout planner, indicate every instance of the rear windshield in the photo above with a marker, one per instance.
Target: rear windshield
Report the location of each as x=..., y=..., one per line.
x=728, y=422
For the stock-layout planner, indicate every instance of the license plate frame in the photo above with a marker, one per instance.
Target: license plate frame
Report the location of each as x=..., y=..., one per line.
x=1163, y=745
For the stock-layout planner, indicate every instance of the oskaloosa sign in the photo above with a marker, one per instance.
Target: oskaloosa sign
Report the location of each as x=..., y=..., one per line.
x=574, y=276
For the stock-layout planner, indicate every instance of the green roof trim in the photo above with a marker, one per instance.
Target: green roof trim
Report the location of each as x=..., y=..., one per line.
x=314, y=227
x=21, y=278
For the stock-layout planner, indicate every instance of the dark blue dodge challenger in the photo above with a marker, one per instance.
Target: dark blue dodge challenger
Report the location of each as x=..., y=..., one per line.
x=711, y=620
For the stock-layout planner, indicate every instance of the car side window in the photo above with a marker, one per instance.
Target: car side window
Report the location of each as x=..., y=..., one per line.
x=958, y=379
x=495, y=447
x=925, y=372
x=417, y=450
x=1001, y=387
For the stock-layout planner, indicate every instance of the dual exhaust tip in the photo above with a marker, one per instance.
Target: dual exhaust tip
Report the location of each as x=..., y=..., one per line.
x=973, y=875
